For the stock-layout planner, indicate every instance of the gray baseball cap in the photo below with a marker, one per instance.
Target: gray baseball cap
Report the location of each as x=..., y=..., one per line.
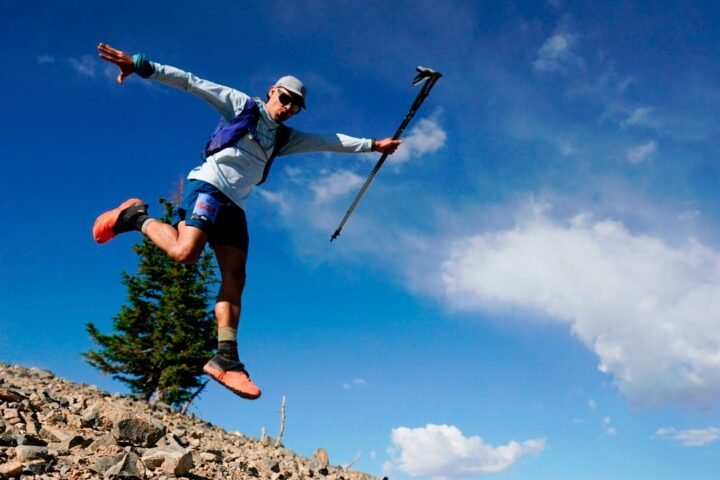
x=294, y=86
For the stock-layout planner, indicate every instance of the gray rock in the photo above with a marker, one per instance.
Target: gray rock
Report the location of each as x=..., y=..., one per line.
x=143, y=432
x=130, y=467
x=171, y=439
x=90, y=417
x=30, y=440
x=29, y=452
x=162, y=406
x=175, y=460
x=58, y=451
x=105, y=441
x=53, y=434
x=272, y=465
x=50, y=399
x=11, y=413
x=42, y=373
x=210, y=457
x=9, y=396
x=71, y=442
x=32, y=425
x=11, y=469
x=37, y=467
x=103, y=464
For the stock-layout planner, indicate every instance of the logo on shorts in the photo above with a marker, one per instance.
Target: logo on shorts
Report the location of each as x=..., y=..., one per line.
x=206, y=208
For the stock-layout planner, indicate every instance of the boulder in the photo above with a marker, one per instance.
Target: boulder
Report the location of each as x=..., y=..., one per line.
x=175, y=460
x=26, y=453
x=130, y=467
x=139, y=431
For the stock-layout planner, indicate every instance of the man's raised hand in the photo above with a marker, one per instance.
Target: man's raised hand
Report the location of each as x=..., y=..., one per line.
x=121, y=59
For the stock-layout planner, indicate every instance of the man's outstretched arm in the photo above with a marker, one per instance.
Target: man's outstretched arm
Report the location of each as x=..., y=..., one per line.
x=228, y=101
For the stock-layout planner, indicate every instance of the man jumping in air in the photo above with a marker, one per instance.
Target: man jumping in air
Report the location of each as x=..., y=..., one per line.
x=212, y=209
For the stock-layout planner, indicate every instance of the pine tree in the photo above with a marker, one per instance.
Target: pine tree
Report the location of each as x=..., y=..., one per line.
x=166, y=332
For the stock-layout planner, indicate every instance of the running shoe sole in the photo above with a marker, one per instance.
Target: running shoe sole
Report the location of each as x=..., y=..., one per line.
x=103, y=227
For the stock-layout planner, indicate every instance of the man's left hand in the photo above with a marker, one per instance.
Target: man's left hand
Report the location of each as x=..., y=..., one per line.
x=387, y=145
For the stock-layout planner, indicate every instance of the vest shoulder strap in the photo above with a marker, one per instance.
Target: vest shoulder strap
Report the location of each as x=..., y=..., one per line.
x=282, y=135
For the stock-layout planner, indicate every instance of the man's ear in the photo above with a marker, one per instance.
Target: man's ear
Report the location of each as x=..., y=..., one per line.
x=270, y=92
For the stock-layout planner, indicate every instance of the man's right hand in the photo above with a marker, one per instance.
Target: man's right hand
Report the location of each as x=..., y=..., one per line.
x=121, y=59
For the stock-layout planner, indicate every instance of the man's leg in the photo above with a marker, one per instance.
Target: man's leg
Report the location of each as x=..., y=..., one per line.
x=231, y=261
x=183, y=244
x=226, y=367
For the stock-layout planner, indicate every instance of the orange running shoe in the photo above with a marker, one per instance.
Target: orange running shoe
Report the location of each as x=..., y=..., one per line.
x=237, y=381
x=128, y=216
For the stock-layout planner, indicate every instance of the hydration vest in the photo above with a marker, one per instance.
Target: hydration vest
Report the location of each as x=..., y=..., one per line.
x=228, y=133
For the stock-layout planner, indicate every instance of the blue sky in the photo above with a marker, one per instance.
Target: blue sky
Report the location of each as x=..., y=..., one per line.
x=529, y=290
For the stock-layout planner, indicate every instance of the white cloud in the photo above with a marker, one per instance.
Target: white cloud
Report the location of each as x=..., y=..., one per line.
x=426, y=137
x=592, y=405
x=335, y=184
x=649, y=310
x=45, y=59
x=277, y=199
x=566, y=148
x=696, y=437
x=556, y=54
x=443, y=452
x=640, y=117
x=84, y=65
x=358, y=382
x=608, y=428
x=641, y=152
x=687, y=215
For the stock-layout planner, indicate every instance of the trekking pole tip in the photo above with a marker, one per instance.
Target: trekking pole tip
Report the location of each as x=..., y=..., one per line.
x=335, y=235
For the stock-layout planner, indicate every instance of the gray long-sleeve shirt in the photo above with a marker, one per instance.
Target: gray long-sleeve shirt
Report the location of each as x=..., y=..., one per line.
x=236, y=170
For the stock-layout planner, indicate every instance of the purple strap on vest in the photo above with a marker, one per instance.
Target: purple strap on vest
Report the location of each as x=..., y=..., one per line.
x=227, y=133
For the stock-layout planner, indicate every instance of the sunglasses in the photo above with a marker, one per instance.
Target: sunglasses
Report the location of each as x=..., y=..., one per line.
x=287, y=99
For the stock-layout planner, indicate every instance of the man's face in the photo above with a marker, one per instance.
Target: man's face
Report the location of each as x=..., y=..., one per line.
x=282, y=104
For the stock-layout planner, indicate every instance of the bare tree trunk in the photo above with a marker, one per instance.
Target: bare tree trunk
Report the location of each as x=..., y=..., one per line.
x=194, y=395
x=354, y=461
x=278, y=442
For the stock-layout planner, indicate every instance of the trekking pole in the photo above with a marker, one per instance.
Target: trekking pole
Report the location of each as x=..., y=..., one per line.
x=427, y=75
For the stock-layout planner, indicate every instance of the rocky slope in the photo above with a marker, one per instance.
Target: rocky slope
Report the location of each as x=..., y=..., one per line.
x=51, y=428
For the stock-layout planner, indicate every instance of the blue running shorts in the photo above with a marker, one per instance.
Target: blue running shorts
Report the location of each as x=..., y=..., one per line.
x=207, y=208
